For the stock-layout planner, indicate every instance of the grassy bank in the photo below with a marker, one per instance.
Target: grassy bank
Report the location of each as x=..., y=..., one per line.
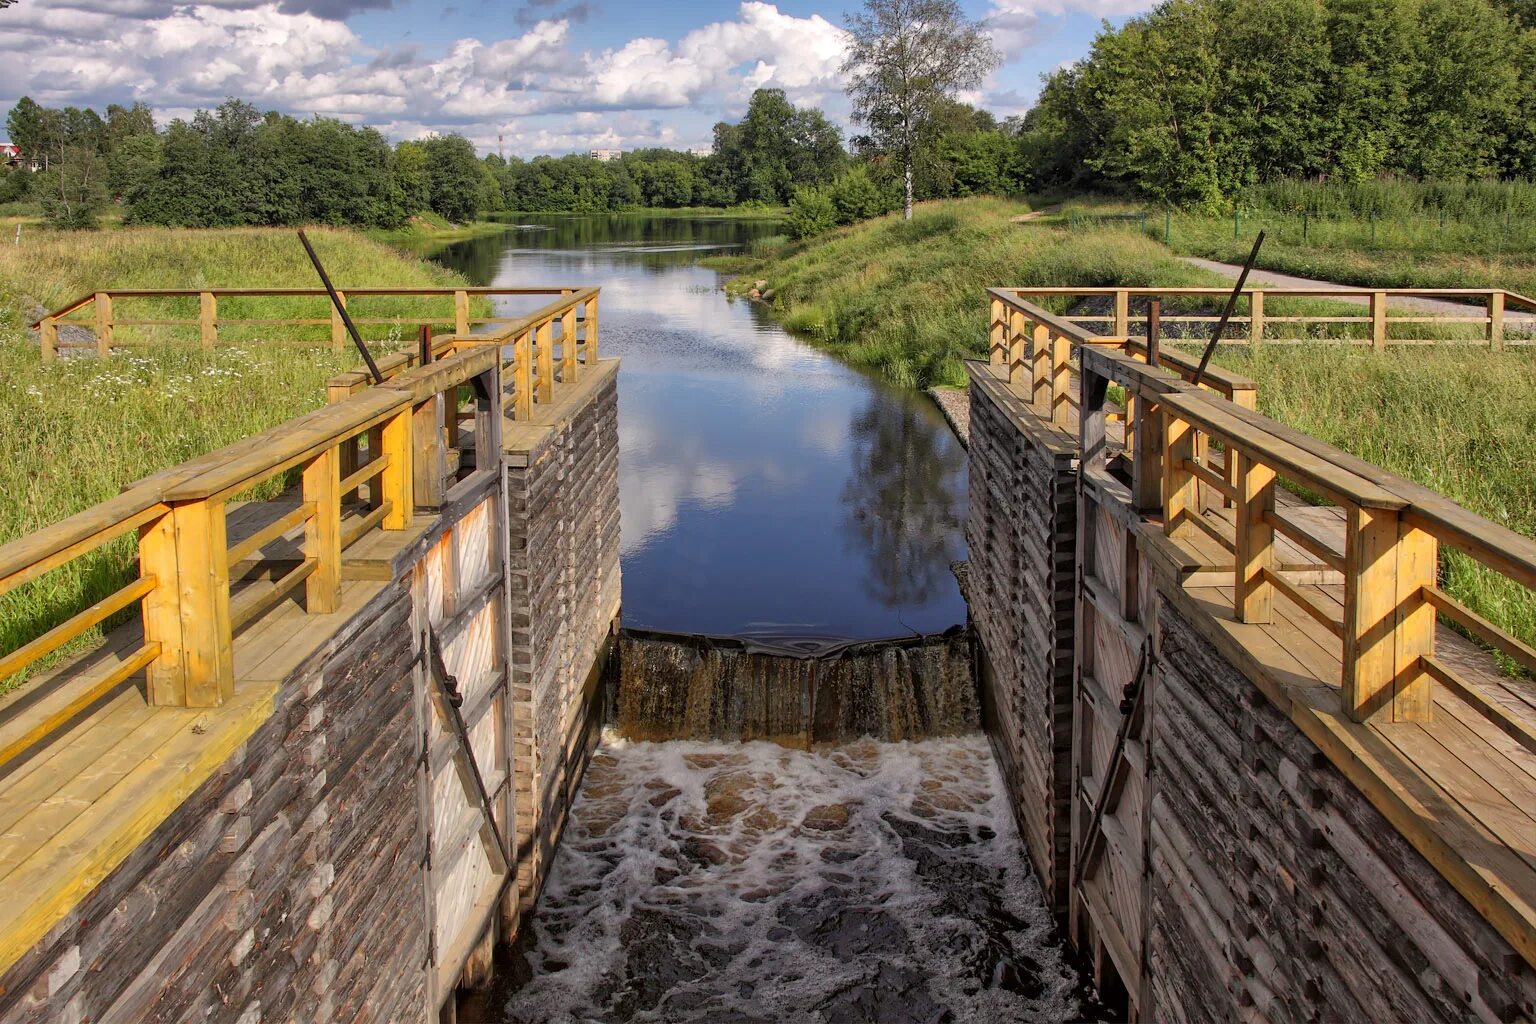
x=427, y=231
x=905, y=298
x=73, y=432
x=1385, y=244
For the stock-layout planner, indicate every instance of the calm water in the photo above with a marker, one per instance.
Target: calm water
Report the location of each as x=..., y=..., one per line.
x=766, y=489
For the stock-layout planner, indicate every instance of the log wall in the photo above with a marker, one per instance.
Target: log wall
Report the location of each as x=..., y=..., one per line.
x=1022, y=535
x=1234, y=872
x=340, y=866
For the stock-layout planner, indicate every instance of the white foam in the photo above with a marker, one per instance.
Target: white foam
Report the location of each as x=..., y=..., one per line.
x=720, y=895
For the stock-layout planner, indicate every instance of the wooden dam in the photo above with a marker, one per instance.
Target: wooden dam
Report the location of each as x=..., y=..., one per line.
x=1265, y=766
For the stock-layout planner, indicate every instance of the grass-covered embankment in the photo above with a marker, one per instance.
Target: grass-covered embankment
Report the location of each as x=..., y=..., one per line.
x=905, y=298
x=74, y=431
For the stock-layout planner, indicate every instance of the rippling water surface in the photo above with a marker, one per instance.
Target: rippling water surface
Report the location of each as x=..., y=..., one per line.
x=766, y=489
x=747, y=882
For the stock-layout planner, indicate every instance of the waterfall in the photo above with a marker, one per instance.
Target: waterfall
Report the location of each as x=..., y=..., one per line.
x=674, y=687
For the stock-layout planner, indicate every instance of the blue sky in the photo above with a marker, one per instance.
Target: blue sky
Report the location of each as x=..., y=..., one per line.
x=529, y=75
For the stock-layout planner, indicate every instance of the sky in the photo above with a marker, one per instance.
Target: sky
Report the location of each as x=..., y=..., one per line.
x=520, y=76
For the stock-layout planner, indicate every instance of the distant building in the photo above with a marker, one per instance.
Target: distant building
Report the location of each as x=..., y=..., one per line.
x=702, y=151
x=605, y=154
x=9, y=155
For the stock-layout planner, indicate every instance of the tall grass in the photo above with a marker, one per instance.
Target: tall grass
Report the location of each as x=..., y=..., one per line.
x=905, y=298
x=73, y=432
x=54, y=268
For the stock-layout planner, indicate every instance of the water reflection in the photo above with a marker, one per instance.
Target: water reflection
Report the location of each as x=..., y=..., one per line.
x=765, y=488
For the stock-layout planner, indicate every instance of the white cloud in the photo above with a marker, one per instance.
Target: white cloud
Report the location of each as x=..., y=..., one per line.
x=1016, y=25
x=177, y=56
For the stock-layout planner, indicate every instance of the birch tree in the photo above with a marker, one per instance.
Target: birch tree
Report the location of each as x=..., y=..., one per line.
x=904, y=58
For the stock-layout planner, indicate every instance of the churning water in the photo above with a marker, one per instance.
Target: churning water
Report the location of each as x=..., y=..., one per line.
x=746, y=882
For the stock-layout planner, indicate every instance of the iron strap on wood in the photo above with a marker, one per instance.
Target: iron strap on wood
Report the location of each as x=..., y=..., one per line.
x=1132, y=707
x=448, y=700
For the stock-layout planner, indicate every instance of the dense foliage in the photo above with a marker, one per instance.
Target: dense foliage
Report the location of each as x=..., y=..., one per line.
x=1201, y=98
x=235, y=166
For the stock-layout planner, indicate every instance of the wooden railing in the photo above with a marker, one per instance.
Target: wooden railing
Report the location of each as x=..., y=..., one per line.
x=1394, y=529
x=102, y=313
x=1490, y=319
x=549, y=345
x=364, y=463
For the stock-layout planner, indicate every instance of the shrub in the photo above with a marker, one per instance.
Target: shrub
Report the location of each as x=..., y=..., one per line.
x=856, y=196
x=811, y=212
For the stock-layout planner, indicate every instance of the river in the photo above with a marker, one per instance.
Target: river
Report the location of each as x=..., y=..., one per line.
x=766, y=489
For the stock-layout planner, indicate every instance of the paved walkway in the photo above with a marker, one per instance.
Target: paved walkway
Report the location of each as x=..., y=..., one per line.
x=1525, y=319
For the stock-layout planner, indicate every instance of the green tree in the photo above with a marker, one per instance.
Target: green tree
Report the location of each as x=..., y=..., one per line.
x=905, y=57
x=856, y=197
x=454, y=179
x=74, y=192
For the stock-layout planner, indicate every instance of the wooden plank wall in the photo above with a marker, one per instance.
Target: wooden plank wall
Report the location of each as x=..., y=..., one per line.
x=563, y=600
x=1278, y=892
x=1238, y=874
x=1022, y=536
x=288, y=886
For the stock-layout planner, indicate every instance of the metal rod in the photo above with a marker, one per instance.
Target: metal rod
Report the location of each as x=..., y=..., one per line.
x=1226, y=314
x=357, y=339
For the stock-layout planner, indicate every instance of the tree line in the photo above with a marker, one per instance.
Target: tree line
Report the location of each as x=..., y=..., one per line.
x=1201, y=99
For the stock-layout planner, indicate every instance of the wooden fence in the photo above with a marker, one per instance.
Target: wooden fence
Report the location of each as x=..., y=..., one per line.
x=364, y=462
x=1289, y=316
x=102, y=313
x=1393, y=528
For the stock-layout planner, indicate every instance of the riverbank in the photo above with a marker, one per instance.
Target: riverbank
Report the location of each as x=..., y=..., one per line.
x=905, y=298
x=719, y=212
x=74, y=431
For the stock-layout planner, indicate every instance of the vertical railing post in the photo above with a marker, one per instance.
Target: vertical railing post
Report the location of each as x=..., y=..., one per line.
x=1496, y=321
x=1255, y=538
x=338, y=326
x=997, y=333
x=1256, y=319
x=165, y=677
x=429, y=458
x=1061, y=380
x=1180, y=494
x=568, y=369
x=1379, y=321
x=103, y=324
x=1092, y=424
x=322, y=532
x=48, y=338
x=208, y=319
x=350, y=459
x=1147, y=457
x=1040, y=366
x=545, y=353
x=523, y=370
x=1388, y=624
x=396, y=479
x=1122, y=312
x=202, y=564
x=461, y=312
x=1014, y=335
x=590, y=344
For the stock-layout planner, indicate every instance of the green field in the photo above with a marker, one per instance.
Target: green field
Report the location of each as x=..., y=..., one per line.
x=74, y=431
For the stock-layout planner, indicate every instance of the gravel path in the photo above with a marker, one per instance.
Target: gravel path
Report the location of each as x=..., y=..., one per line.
x=1526, y=320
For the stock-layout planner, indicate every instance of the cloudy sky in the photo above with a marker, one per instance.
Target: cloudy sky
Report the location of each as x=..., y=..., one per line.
x=544, y=75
